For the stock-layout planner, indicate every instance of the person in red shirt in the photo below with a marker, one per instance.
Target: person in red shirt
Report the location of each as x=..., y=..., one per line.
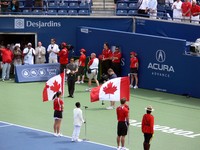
x=116, y=61
x=81, y=68
x=63, y=54
x=58, y=106
x=195, y=11
x=106, y=58
x=134, y=70
x=186, y=11
x=122, y=112
x=7, y=57
x=148, y=127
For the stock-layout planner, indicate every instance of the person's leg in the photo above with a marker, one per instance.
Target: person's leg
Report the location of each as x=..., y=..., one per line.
x=78, y=128
x=58, y=126
x=69, y=84
x=72, y=85
x=118, y=141
x=122, y=141
x=8, y=71
x=4, y=71
x=55, y=126
x=83, y=77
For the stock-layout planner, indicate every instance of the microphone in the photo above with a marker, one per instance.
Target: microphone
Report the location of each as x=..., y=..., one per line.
x=85, y=107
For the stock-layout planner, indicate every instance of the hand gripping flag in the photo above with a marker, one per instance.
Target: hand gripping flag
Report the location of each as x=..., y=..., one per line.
x=52, y=86
x=112, y=90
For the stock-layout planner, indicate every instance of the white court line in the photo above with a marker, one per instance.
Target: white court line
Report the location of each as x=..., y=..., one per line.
x=11, y=124
x=5, y=126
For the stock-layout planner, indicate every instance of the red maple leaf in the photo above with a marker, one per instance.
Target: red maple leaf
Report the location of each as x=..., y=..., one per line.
x=110, y=89
x=55, y=87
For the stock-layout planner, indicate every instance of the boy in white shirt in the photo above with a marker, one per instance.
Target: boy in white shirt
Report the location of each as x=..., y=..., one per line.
x=78, y=121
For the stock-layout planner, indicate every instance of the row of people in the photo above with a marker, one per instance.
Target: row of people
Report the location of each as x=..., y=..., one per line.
x=122, y=113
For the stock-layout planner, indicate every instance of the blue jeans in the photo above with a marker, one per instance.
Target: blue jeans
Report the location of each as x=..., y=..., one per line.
x=6, y=71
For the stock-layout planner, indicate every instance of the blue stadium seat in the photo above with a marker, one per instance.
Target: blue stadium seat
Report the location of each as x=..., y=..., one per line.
x=133, y=6
x=63, y=5
x=52, y=5
x=21, y=5
x=83, y=12
x=132, y=13
x=37, y=12
x=73, y=5
x=62, y=12
x=121, y=13
x=84, y=5
x=72, y=12
x=52, y=12
x=26, y=12
x=122, y=6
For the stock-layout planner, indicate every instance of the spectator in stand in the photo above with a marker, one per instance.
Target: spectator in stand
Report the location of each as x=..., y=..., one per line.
x=92, y=72
x=186, y=11
x=106, y=58
x=29, y=54
x=148, y=127
x=152, y=8
x=143, y=8
x=17, y=55
x=40, y=52
x=53, y=50
x=72, y=69
x=122, y=112
x=7, y=57
x=134, y=70
x=177, y=13
x=81, y=68
x=195, y=12
x=38, y=4
x=63, y=54
x=116, y=61
x=14, y=6
x=4, y=6
x=28, y=4
x=169, y=2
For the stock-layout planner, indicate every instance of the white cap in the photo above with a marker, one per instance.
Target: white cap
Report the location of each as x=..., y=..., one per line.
x=17, y=44
x=149, y=108
x=29, y=44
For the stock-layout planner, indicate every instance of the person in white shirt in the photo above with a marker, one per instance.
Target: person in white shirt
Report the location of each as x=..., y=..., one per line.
x=152, y=8
x=53, y=50
x=29, y=53
x=92, y=72
x=40, y=52
x=78, y=121
x=177, y=13
x=143, y=8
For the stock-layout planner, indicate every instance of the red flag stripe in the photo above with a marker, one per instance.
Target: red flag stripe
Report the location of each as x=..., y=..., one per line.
x=125, y=92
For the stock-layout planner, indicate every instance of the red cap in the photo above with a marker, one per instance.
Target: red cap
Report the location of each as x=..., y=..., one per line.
x=133, y=53
x=64, y=44
x=83, y=50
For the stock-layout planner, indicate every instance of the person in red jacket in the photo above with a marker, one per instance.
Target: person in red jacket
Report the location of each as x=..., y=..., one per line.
x=134, y=70
x=195, y=12
x=148, y=127
x=63, y=54
x=122, y=112
x=116, y=61
x=106, y=58
x=7, y=57
x=58, y=106
x=186, y=11
x=81, y=68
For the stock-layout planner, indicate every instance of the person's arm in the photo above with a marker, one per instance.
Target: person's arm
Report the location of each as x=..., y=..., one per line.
x=152, y=124
x=25, y=52
x=43, y=52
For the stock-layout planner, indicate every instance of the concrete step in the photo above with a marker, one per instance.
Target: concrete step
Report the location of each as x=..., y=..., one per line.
x=103, y=13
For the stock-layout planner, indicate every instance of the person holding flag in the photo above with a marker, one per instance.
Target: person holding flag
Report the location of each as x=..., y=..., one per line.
x=122, y=112
x=58, y=106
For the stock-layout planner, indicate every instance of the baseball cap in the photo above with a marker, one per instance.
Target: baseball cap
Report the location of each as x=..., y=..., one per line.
x=83, y=50
x=29, y=44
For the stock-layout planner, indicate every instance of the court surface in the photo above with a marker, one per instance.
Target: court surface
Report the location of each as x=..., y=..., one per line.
x=28, y=122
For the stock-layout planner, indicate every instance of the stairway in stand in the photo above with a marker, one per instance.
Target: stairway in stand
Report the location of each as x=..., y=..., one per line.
x=103, y=8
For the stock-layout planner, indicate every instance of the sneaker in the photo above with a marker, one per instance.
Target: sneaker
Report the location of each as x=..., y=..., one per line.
x=77, y=82
x=124, y=148
x=55, y=134
x=82, y=82
x=72, y=140
x=109, y=108
x=119, y=148
x=135, y=87
x=88, y=89
x=3, y=80
x=131, y=86
x=60, y=134
x=79, y=140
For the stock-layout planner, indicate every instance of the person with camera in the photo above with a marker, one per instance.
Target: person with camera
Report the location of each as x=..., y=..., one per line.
x=92, y=72
x=122, y=112
x=72, y=69
x=81, y=68
x=63, y=54
x=53, y=50
x=111, y=75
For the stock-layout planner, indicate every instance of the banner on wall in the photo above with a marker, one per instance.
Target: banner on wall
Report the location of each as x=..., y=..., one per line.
x=36, y=72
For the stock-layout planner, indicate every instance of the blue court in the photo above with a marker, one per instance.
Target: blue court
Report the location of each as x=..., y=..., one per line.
x=15, y=137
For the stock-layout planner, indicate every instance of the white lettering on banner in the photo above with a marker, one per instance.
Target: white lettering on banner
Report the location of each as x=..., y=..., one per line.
x=122, y=62
x=51, y=71
x=159, y=68
x=40, y=24
x=166, y=129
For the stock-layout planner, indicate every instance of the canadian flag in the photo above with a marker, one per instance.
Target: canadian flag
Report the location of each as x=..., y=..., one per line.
x=52, y=86
x=112, y=90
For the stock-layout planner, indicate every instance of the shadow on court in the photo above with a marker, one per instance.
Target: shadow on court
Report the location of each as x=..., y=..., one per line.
x=14, y=137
